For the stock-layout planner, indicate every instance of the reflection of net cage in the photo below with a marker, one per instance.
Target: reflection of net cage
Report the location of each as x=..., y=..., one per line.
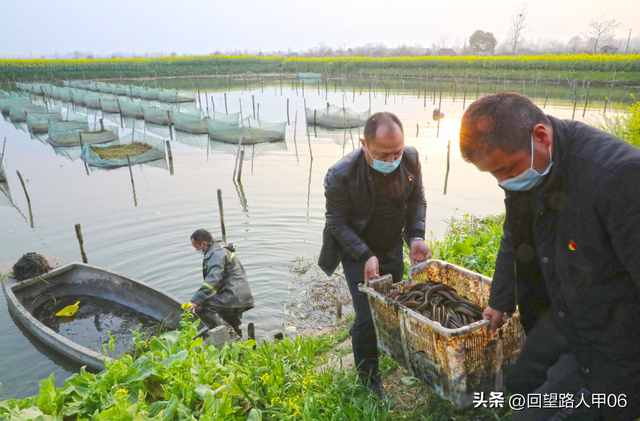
x=5, y=193
x=252, y=131
x=251, y=151
x=163, y=131
x=18, y=112
x=156, y=152
x=191, y=122
x=71, y=153
x=39, y=122
x=176, y=96
x=336, y=117
x=67, y=134
x=130, y=107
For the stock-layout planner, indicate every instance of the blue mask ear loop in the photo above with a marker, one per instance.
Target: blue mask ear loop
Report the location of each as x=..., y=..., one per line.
x=532, y=151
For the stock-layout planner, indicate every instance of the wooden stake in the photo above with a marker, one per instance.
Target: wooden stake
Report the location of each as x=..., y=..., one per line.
x=170, y=155
x=417, y=129
x=240, y=165
x=235, y=167
x=24, y=187
x=253, y=101
x=133, y=185
x=4, y=145
x=81, y=242
x=464, y=99
x=226, y=110
x=545, y=99
x=224, y=231
x=575, y=102
x=252, y=331
x=288, y=121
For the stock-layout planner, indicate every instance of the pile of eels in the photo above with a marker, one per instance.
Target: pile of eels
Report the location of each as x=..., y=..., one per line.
x=440, y=303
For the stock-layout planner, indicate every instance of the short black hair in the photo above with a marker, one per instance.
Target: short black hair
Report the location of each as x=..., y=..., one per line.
x=499, y=121
x=383, y=118
x=202, y=235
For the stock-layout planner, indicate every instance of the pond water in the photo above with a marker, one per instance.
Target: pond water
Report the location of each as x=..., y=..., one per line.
x=275, y=215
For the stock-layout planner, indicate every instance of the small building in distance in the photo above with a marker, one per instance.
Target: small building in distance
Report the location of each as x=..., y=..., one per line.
x=608, y=49
x=446, y=52
x=486, y=52
x=525, y=52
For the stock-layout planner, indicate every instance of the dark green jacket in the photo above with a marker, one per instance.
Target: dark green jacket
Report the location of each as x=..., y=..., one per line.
x=574, y=249
x=225, y=280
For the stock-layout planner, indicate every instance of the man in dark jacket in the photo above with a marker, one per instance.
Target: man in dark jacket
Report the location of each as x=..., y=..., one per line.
x=570, y=254
x=375, y=197
x=225, y=292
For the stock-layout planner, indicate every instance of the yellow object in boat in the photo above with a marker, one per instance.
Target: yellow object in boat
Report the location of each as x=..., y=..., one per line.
x=68, y=311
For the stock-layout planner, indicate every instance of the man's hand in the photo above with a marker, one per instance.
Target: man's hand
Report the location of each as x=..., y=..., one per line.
x=371, y=269
x=496, y=319
x=193, y=306
x=419, y=251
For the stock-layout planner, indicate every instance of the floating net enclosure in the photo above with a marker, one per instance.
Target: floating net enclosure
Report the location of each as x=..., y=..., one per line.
x=252, y=131
x=176, y=96
x=6, y=103
x=67, y=134
x=336, y=117
x=130, y=107
x=158, y=115
x=154, y=152
x=18, y=112
x=39, y=122
x=109, y=105
x=148, y=94
x=120, y=90
x=190, y=121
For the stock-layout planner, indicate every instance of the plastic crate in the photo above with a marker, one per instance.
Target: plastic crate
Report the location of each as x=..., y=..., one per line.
x=455, y=362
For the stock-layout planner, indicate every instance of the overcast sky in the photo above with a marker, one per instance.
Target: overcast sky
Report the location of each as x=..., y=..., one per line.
x=201, y=27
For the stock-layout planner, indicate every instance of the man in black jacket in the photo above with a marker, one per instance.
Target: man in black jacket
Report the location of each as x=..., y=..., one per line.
x=375, y=197
x=570, y=254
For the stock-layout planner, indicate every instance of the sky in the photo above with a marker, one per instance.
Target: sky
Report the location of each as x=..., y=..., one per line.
x=33, y=28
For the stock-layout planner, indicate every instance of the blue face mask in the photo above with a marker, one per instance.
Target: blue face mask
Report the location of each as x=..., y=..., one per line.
x=382, y=166
x=529, y=178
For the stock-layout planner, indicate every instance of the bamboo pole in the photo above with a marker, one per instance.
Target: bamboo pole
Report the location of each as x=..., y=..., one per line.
x=417, y=129
x=575, y=102
x=220, y=208
x=24, y=187
x=4, y=145
x=81, y=243
x=253, y=101
x=226, y=110
x=170, y=155
x=237, y=156
x=133, y=185
x=240, y=165
x=288, y=121
x=464, y=99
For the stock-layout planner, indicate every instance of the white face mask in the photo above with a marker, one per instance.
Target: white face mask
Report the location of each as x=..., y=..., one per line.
x=529, y=178
x=200, y=252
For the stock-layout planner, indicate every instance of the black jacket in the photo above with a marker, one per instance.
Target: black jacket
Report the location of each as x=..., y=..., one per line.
x=350, y=196
x=573, y=248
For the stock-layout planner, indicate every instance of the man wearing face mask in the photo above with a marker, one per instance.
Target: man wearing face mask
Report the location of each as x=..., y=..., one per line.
x=569, y=258
x=224, y=294
x=375, y=198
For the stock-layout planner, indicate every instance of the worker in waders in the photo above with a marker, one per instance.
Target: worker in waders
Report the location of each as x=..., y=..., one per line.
x=225, y=293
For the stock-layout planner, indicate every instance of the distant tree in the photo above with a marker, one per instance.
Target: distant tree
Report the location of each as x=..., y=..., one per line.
x=601, y=28
x=481, y=40
x=518, y=26
x=575, y=44
x=442, y=41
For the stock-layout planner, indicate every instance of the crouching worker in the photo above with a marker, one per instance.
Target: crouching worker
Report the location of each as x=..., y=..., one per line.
x=224, y=294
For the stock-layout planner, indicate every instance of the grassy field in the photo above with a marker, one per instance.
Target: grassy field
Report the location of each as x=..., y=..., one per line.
x=598, y=68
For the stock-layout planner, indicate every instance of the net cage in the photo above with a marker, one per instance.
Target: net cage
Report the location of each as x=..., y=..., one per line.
x=148, y=94
x=176, y=96
x=158, y=115
x=120, y=90
x=77, y=97
x=93, y=100
x=80, y=84
x=252, y=131
x=6, y=103
x=130, y=107
x=109, y=105
x=157, y=152
x=336, y=117
x=190, y=121
x=18, y=112
x=39, y=122
x=75, y=133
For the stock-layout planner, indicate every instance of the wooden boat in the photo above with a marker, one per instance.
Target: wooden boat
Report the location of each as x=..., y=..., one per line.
x=67, y=281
